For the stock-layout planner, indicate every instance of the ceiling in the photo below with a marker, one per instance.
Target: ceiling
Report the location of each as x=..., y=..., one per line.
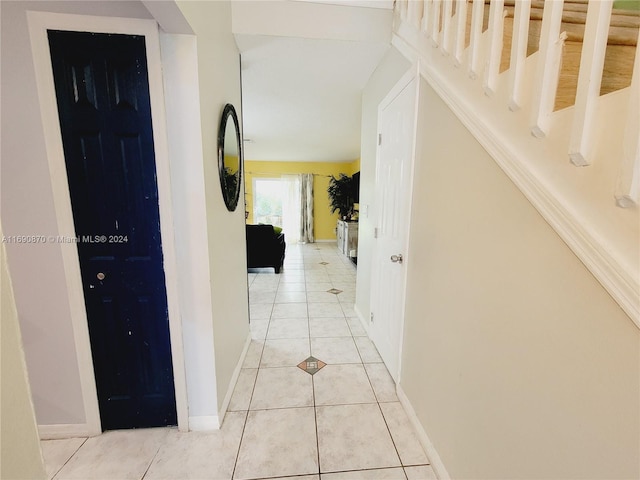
x=304, y=66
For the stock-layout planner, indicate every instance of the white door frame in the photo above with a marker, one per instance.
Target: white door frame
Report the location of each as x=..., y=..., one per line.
x=39, y=23
x=413, y=74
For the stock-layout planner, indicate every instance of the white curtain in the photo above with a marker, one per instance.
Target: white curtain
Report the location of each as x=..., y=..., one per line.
x=306, y=208
x=297, y=208
x=291, y=208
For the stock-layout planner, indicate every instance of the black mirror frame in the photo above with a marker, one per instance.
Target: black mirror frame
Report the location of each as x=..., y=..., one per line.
x=230, y=193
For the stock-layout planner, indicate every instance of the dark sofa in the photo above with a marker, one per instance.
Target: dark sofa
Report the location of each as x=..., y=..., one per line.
x=265, y=248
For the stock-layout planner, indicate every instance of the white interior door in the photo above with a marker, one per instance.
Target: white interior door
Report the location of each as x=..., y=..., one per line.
x=394, y=174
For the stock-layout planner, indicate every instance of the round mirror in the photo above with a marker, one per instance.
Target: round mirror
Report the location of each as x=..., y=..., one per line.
x=230, y=157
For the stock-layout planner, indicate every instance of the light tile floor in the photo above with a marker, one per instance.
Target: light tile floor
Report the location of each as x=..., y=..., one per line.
x=342, y=423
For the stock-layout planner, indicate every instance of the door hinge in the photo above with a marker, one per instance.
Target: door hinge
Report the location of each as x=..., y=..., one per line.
x=371, y=317
x=375, y=232
x=379, y=139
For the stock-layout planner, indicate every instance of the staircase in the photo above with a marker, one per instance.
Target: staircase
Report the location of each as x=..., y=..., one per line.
x=552, y=91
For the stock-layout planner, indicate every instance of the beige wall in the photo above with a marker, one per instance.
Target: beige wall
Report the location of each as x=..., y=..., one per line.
x=20, y=449
x=219, y=77
x=516, y=360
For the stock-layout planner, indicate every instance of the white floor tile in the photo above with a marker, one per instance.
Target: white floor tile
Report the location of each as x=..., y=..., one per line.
x=367, y=350
x=318, y=286
x=421, y=472
x=121, y=454
x=282, y=387
x=199, y=455
x=403, y=434
x=292, y=287
x=278, y=443
x=335, y=350
x=241, y=397
x=57, y=452
x=321, y=297
x=354, y=437
x=383, y=385
x=329, y=327
x=319, y=310
x=258, y=329
x=262, y=297
x=342, y=384
x=285, y=352
x=288, y=328
x=289, y=310
x=378, y=474
x=260, y=311
x=290, y=297
x=355, y=325
x=254, y=354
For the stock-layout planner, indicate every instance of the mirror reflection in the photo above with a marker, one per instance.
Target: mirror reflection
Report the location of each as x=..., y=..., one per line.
x=230, y=157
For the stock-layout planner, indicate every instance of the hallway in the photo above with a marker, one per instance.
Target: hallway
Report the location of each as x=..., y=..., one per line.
x=313, y=399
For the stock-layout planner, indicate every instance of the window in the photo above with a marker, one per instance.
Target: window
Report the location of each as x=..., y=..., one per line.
x=267, y=201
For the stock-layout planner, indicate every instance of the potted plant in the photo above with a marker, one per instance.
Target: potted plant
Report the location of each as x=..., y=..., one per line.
x=342, y=195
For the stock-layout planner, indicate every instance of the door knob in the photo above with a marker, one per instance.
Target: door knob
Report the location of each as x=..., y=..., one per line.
x=396, y=258
x=100, y=276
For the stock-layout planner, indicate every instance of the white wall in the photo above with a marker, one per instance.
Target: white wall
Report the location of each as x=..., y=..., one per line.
x=219, y=83
x=516, y=360
x=388, y=72
x=20, y=456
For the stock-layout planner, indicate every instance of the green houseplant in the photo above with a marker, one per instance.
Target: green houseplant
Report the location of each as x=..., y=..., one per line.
x=342, y=194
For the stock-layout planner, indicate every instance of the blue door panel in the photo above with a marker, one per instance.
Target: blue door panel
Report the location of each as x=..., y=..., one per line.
x=105, y=117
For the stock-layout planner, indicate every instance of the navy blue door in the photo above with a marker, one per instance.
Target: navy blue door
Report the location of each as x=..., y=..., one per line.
x=105, y=116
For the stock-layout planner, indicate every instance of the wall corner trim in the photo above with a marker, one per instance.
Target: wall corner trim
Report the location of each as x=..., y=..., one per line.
x=71, y=430
x=429, y=448
x=204, y=423
x=234, y=380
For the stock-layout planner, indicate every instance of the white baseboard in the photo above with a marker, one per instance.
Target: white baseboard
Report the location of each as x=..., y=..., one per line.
x=430, y=450
x=67, y=430
x=326, y=241
x=234, y=379
x=204, y=423
x=363, y=320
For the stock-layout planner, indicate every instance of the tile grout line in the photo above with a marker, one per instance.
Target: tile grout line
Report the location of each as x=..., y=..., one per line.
x=53, y=477
x=313, y=384
x=255, y=381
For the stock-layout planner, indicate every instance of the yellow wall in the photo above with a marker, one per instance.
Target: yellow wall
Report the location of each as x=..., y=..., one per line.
x=324, y=222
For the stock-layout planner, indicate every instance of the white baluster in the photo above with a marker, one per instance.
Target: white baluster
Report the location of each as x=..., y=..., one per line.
x=435, y=22
x=519, y=39
x=447, y=9
x=476, y=32
x=426, y=17
x=548, y=68
x=403, y=5
x=628, y=188
x=414, y=12
x=496, y=29
x=461, y=30
x=594, y=47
